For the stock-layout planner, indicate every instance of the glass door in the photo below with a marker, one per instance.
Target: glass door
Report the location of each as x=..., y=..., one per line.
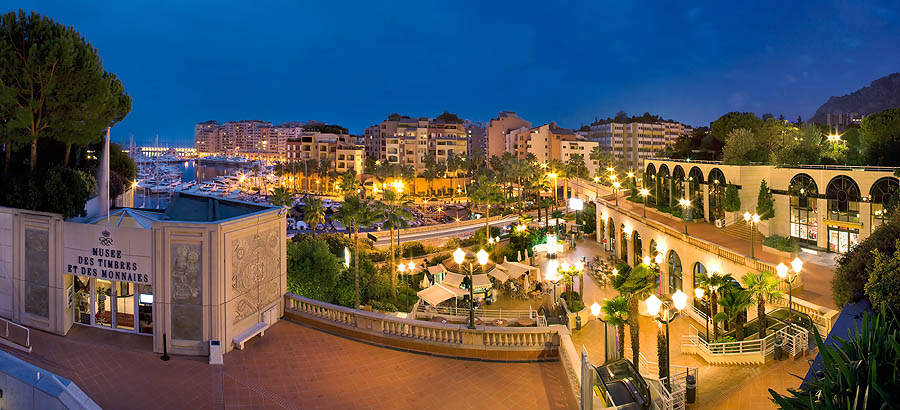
x=145, y=309
x=124, y=305
x=82, y=300
x=104, y=297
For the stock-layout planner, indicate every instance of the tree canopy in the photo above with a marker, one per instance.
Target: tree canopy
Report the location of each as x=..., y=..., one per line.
x=880, y=135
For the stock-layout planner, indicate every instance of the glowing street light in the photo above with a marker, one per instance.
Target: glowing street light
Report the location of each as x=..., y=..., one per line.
x=616, y=186
x=752, y=220
x=459, y=256
x=663, y=313
x=644, y=192
x=685, y=208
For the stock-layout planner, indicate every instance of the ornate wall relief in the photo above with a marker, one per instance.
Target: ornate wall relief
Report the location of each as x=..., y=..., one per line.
x=187, y=291
x=37, y=272
x=255, y=272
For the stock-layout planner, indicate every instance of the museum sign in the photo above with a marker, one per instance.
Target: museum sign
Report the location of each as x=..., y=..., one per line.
x=109, y=253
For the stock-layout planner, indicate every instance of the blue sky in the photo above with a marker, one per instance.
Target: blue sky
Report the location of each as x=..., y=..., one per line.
x=354, y=63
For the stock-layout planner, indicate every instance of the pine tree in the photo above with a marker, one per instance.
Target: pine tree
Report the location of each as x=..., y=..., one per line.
x=732, y=200
x=765, y=203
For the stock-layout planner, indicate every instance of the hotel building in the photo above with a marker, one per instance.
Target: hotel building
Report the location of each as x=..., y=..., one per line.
x=339, y=150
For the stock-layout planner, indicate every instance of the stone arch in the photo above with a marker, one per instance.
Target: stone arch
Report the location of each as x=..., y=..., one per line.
x=650, y=183
x=678, y=182
x=880, y=195
x=717, y=184
x=662, y=182
x=843, y=196
x=676, y=275
x=802, y=194
x=695, y=188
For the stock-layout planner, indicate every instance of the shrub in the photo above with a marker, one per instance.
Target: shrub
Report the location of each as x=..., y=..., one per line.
x=413, y=248
x=782, y=243
x=312, y=271
x=56, y=189
x=853, y=268
x=725, y=339
x=379, y=305
x=881, y=288
x=336, y=242
x=732, y=200
x=577, y=303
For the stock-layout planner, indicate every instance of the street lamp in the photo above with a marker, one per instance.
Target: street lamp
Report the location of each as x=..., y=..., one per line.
x=685, y=205
x=662, y=310
x=644, y=192
x=553, y=276
x=616, y=186
x=459, y=256
x=403, y=268
x=596, y=188
x=596, y=309
x=698, y=293
x=752, y=220
x=784, y=273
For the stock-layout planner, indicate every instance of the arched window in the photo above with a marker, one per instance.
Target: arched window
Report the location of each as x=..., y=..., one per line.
x=624, y=245
x=701, y=304
x=678, y=180
x=803, y=192
x=880, y=196
x=663, y=180
x=675, y=278
x=653, y=250
x=695, y=188
x=638, y=247
x=717, y=184
x=843, y=198
x=650, y=183
x=612, y=237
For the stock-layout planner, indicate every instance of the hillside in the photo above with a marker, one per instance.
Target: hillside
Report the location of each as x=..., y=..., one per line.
x=882, y=94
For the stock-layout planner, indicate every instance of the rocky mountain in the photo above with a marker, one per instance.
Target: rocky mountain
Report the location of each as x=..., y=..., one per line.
x=882, y=94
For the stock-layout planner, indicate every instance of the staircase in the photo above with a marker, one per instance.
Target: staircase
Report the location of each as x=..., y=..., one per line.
x=741, y=229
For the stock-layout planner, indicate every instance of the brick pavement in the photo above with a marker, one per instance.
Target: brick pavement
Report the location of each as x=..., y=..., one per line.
x=292, y=366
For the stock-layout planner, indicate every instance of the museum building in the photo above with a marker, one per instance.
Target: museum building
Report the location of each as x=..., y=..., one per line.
x=204, y=269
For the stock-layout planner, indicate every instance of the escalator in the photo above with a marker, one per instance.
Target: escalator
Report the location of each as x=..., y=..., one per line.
x=618, y=384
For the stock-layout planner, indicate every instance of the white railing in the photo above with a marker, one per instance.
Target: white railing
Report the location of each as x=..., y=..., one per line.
x=795, y=339
x=16, y=335
x=369, y=324
x=672, y=398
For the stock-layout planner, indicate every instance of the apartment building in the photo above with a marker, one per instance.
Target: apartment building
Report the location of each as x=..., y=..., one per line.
x=339, y=150
x=503, y=133
x=582, y=147
x=477, y=138
x=412, y=141
x=250, y=138
x=631, y=143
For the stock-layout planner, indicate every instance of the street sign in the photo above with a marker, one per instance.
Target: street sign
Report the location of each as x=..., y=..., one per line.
x=371, y=237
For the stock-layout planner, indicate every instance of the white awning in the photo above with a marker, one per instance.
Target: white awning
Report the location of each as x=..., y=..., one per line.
x=453, y=279
x=436, y=294
x=436, y=269
x=499, y=273
x=515, y=269
x=481, y=281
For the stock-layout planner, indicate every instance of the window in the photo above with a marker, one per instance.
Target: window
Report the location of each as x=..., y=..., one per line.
x=804, y=218
x=701, y=304
x=675, y=277
x=843, y=199
x=880, y=195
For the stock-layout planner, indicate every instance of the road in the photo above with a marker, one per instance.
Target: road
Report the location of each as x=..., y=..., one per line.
x=449, y=230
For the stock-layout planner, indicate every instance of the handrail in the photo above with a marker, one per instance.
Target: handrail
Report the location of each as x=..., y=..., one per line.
x=14, y=341
x=764, y=346
x=369, y=324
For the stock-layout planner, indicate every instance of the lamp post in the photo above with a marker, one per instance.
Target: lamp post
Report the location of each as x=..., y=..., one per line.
x=666, y=316
x=633, y=181
x=596, y=188
x=403, y=269
x=685, y=205
x=553, y=276
x=616, y=186
x=459, y=256
x=595, y=310
x=784, y=273
x=698, y=293
x=752, y=220
x=644, y=192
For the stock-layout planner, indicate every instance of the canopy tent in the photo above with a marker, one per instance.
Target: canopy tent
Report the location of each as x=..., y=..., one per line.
x=436, y=294
x=437, y=273
x=499, y=273
x=481, y=282
x=453, y=279
x=516, y=270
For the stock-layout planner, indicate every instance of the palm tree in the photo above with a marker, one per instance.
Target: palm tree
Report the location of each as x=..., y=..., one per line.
x=313, y=213
x=393, y=207
x=349, y=184
x=712, y=282
x=485, y=192
x=557, y=215
x=762, y=286
x=735, y=302
x=616, y=311
x=281, y=196
x=600, y=157
x=635, y=285
x=353, y=214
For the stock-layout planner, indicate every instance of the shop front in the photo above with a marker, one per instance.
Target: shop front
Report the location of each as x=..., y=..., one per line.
x=842, y=236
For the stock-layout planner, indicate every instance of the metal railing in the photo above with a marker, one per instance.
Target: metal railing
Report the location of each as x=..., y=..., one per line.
x=16, y=335
x=794, y=337
x=673, y=399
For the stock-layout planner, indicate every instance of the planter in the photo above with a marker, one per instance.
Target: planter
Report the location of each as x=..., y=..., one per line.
x=783, y=254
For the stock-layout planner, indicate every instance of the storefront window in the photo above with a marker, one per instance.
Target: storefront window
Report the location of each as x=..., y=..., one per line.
x=145, y=309
x=843, y=199
x=804, y=219
x=103, y=302
x=678, y=183
x=880, y=195
x=125, y=305
x=82, y=300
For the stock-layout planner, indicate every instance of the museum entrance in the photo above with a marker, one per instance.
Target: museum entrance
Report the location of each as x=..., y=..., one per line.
x=123, y=306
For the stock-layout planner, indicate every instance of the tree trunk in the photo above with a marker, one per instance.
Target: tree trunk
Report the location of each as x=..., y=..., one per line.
x=634, y=330
x=393, y=265
x=68, y=152
x=566, y=194
x=761, y=314
x=713, y=310
x=32, y=165
x=581, y=286
x=487, y=226
x=661, y=351
x=356, y=261
x=739, y=326
x=621, y=342
x=8, y=156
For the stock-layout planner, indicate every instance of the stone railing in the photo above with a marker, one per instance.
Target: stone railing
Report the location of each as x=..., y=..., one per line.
x=429, y=228
x=447, y=339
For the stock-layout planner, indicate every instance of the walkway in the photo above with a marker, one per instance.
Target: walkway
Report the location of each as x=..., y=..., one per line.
x=720, y=387
x=816, y=277
x=292, y=366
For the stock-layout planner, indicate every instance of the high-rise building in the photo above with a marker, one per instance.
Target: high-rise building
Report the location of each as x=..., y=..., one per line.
x=477, y=138
x=632, y=142
x=250, y=138
x=498, y=129
x=413, y=141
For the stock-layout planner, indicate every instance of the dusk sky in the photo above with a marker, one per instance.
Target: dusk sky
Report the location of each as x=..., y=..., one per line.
x=355, y=63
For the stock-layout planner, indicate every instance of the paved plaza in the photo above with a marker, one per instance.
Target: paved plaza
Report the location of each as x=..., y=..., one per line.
x=292, y=367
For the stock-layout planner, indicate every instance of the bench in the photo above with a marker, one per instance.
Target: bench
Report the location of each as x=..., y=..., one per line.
x=243, y=337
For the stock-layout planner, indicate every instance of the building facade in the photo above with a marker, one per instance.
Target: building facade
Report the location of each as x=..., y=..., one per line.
x=340, y=151
x=203, y=270
x=825, y=207
x=250, y=138
x=631, y=143
x=414, y=141
x=499, y=132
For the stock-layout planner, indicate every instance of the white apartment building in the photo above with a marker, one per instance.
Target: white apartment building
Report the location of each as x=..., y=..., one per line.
x=250, y=138
x=632, y=143
x=339, y=150
x=582, y=147
x=411, y=141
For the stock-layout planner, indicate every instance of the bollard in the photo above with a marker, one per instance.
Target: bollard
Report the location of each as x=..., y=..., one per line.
x=165, y=356
x=690, y=388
